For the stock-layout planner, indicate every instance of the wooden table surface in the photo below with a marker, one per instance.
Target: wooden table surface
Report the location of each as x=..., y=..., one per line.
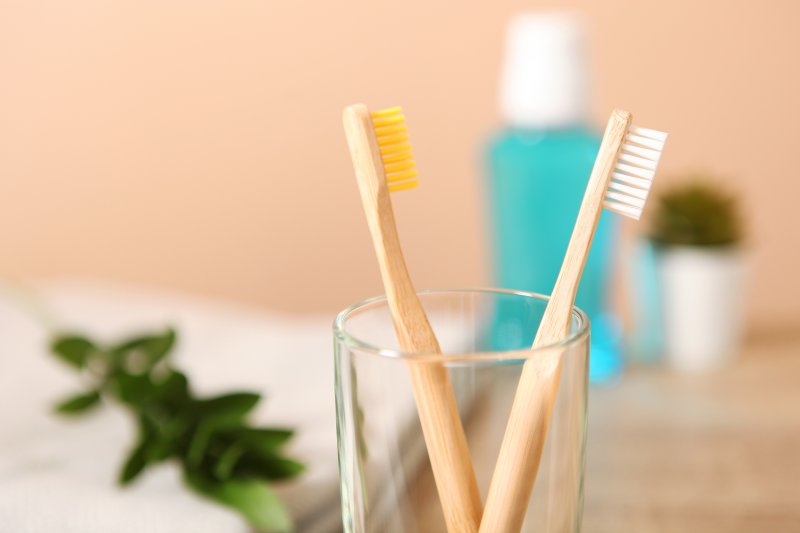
x=718, y=453
x=670, y=453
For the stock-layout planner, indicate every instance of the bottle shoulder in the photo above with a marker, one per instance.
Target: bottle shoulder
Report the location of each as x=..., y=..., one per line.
x=514, y=141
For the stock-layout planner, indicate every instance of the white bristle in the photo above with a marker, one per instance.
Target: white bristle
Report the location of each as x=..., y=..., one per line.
x=632, y=212
x=641, y=183
x=638, y=161
x=631, y=191
x=647, y=153
x=645, y=173
x=634, y=171
x=644, y=141
x=651, y=134
x=624, y=199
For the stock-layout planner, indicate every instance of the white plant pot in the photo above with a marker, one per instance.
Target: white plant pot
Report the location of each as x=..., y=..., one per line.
x=702, y=295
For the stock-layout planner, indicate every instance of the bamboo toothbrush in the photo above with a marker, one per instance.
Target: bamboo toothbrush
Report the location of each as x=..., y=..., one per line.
x=383, y=163
x=620, y=182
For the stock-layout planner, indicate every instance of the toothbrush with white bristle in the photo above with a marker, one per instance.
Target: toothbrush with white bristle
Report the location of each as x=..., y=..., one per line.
x=620, y=182
x=633, y=175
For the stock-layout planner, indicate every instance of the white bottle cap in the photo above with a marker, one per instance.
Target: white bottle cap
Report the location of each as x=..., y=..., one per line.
x=544, y=79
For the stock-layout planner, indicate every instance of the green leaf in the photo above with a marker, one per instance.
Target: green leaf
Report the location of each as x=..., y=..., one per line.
x=261, y=439
x=269, y=466
x=153, y=347
x=137, y=459
x=175, y=387
x=253, y=499
x=199, y=445
x=171, y=390
x=172, y=437
x=224, y=467
x=230, y=407
x=73, y=349
x=134, y=389
x=78, y=404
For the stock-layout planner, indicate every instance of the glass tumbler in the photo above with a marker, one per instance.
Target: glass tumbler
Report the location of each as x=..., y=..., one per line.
x=386, y=479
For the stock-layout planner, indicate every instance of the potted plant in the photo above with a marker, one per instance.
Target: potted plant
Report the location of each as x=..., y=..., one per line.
x=697, y=232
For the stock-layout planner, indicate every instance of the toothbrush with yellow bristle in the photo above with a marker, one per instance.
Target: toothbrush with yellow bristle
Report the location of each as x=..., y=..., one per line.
x=620, y=182
x=383, y=162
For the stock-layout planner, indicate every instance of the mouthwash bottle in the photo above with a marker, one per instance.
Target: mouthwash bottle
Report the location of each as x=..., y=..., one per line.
x=538, y=166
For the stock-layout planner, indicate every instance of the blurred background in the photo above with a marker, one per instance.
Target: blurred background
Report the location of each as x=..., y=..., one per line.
x=184, y=161
x=199, y=145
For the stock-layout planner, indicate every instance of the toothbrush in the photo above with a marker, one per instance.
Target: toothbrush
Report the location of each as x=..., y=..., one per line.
x=620, y=182
x=384, y=163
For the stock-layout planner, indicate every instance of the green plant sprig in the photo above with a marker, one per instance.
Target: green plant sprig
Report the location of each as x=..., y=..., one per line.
x=223, y=457
x=696, y=214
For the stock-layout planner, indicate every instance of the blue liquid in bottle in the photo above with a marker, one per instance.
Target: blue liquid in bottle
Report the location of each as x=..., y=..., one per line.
x=538, y=167
x=537, y=179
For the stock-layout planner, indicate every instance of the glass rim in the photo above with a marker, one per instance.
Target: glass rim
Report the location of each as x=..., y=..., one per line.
x=354, y=343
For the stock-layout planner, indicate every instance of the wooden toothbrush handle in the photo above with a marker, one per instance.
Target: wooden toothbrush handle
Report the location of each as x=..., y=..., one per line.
x=447, y=447
x=437, y=409
x=436, y=401
x=523, y=442
x=521, y=451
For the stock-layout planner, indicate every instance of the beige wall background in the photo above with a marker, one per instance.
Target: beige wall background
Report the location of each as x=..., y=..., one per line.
x=197, y=144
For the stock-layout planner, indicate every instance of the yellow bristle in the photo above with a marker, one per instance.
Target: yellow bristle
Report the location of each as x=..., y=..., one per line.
x=403, y=186
x=392, y=136
x=398, y=157
x=395, y=148
x=387, y=111
x=399, y=166
x=401, y=176
x=391, y=120
x=391, y=130
x=392, y=139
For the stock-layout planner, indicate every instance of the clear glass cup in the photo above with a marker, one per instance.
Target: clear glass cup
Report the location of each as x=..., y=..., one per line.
x=386, y=479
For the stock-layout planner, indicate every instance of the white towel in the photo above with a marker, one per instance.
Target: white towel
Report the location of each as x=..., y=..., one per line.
x=59, y=476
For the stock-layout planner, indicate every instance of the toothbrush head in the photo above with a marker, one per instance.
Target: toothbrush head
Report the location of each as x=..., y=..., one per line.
x=391, y=133
x=634, y=170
